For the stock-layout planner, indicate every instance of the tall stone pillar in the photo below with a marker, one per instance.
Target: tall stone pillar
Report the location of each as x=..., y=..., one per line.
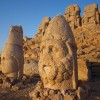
x=12, y=58
x=58, y=57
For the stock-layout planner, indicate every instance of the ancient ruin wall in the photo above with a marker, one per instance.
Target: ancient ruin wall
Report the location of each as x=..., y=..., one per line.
x=91, y=16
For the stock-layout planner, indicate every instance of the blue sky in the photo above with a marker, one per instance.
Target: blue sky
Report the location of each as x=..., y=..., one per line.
x=29, y=14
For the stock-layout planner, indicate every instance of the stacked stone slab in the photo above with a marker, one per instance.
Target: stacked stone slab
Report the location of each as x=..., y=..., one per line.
x=32, y=49
x=12, y=58
x=72, y=15
x=58, y=58
x=91, y=15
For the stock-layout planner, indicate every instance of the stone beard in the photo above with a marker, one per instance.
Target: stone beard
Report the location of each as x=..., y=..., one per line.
x=58, y=58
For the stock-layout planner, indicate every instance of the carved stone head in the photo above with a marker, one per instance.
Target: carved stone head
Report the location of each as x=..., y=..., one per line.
x=12, y=58
x=58, y=63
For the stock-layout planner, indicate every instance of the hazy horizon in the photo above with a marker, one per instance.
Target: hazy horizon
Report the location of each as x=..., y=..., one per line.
x=29, y=14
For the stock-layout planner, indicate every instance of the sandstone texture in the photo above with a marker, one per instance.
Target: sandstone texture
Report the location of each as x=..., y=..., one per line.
x=58, y=58
x=12, y=58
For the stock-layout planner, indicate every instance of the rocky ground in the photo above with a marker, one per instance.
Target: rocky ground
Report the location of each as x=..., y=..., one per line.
x=19, y=91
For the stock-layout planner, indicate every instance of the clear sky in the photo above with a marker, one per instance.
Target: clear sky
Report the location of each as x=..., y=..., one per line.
x=29, y=14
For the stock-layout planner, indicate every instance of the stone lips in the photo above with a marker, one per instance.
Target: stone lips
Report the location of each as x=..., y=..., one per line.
x=12, y=55
x=57, y=63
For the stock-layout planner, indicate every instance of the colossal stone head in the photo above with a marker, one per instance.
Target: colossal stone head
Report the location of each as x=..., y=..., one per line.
x=12, y=58
x=58, y=61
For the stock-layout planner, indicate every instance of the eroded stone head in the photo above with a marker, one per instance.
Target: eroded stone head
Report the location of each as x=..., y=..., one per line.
x=12, y=58
x=58, y=64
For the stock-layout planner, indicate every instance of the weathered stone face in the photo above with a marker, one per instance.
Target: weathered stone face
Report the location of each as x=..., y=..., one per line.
x=12, y=56
x=58, y=63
